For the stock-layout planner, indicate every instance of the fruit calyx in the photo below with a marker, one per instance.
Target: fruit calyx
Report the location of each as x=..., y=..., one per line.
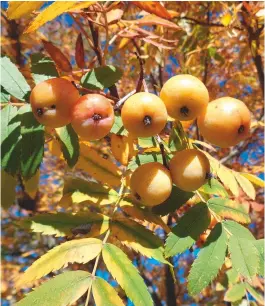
x=147, y=120
x=184, y=111
x=96, y=117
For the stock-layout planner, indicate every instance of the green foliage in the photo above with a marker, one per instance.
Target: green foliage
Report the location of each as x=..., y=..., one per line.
x=244, y=255
x=32, y=143
x=238, y=230
x=70, y=144
x=259, y=244
x=118, y=127
x=141, y=159
x=187, y=230
x=10, y=139
x=12, y=80
x=210, y=259
x=227, y=208
x=147, y=142
x=63, y=290
x=213, y=186
x=104, y=294
x=177, y=140
x=126, y=275
x=176, y=199
x=42, y=68
x=8, y=185
x=235, y=293
x=5, y=96
x=101, y=77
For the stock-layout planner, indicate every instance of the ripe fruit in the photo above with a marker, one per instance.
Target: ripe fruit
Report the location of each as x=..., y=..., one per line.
x=189, y=169
x=92, y=117
x=144, y=114
x=185, y=97
x=151, y=184
x=52, y=102
x=225, y=122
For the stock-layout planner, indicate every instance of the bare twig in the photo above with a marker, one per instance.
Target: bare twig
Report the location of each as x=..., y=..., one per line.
x=122, y=100
x=94, y=91
x=162, y=149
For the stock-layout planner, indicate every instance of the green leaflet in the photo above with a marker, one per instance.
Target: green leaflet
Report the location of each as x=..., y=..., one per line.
x=147, y=142
x=104, y=294
x=126, y=275
x=235, y=293
x=136, y=236
x=187, y=230
x=259, y=245
x=244, y=256
x=8, y=193
x=177, y=141
x=32, y=143
x=63, y=290
x=213, y=186
x=5, y=96
x=227, y=208
x=101, y=77
x=10, y=139
x=118, y=127
x=64, y=224
x=78, y=250
x=210, y=259
x=42, y=68
x=176, y=199
x=141, y=159
x=238, y=230
x=70, y=144
x=12, y=80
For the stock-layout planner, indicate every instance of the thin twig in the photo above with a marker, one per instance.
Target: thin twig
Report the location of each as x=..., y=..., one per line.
x=107, y=34
x=92, y=91
x=162, y=149
x=122, y=100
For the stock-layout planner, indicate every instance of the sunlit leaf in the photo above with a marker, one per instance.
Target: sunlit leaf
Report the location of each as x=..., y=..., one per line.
x=226, y=19
x=63, y=290
x=228, y=179
x=257, y=296
x=246, y=185
x=238, y=230
x=235, y=293
x=118, y=127
x=18, y=9
x=213, y=186
x=5, y=96
x=254, y=179
x=153, y=7
x=259, y=245
x=141, y=159
x=126, y=275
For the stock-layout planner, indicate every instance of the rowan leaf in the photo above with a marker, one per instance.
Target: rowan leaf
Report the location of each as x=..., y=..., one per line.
x=153, y=7
x=195, y=221
x=63, y=290
x=104, y=293
x=256, y=295
x=141, y=159
x=114, y=16
x=227, y=178
x=12, y=80
x=210, y=259
x=176, y=199
x=5, y=96
x=235, y=293
x=254, y=179
x=18, y=9
x=103, y=170
x=230, y=209
x=147, y=142
x=155, y=20
x=8, y=193
x=238, y=230
x=53, y=11
x=213, y=186
x=101, y=77
x=177, y=139
x=122, y=148
x=126, y=275
x=32, y=142
x=65, y=224
x=80, y=52
x=10, y=139
x=137, y=237
x=31, y=185
x=244, y=256
x=78, y=250
x=246, y=185
x=58, y=57
x=259, y=245
x=42, y=68
x=226, y=19
x=70, y=144
x=118, y=127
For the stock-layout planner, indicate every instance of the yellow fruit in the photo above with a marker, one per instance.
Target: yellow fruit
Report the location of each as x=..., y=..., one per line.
x=185, y=97
x=52, y=101
x=92, y=117
x=225, y=122
x=189, y=169
x=151, y=184
x=144, y=114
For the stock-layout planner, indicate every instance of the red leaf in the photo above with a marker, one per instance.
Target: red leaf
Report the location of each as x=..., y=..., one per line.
x=58, y=57
x=79, y=52
x=153, y=7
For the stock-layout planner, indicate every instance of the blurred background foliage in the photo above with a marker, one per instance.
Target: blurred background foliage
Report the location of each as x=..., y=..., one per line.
x=222, y=43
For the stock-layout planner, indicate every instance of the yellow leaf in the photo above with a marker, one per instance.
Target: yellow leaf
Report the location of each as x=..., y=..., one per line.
x=254, y=179
x=79, y=250
x=54, y=10
x=123, y=42
x=246, y=185
x=8, y=185
x=98, y=167
x=18, y=9
x=226, y=19
x=31, y=185
x=227, y=178
x=153, y=7
x=55, y=148
x=122, y=148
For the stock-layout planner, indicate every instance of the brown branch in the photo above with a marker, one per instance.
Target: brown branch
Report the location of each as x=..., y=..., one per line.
x=162, y=150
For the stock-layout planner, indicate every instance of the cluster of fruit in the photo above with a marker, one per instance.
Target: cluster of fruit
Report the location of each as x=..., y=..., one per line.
x=223, y=122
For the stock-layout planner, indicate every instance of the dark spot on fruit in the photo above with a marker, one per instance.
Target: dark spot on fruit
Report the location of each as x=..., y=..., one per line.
x=184, y=111
x=53, y=106
x=147, y=120
x=96, y=117
x=39, y=112
x=241, y=129
x=137, y=196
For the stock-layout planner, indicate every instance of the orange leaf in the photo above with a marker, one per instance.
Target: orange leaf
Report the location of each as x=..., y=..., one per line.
x=154, y=20
x=153, y=7
x=59, y=58
x=114, y=16
x=79, y=52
